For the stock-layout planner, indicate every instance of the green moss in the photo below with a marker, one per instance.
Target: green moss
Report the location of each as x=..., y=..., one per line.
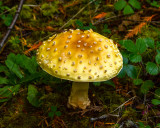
x=150, y=31
x=26, y=12
x=19, y=114
x=49, y=9
x=14, y=42
x=129, y=113
x=20, y=120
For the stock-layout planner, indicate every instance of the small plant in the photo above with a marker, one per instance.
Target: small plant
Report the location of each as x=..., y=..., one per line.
x=153, y=3
x=127, y=7
x=105, y=29
x=137, y=53
x=128, y=69
x=80, y=25
x=18, y=70
x=7, y=18
x=54, y=112
x=156, y=100
x=141, y=125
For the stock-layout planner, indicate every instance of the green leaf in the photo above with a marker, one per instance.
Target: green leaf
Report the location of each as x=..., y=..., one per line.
x=157, y=93
x=31, y=77
x=155, y=101
x=120, y=4
x=8, y=91
x=11, y=64
x=135, y=3
x=158, y=44
x=152, y=68
x=128, y=10
x=130, y=46
x=8, y=19
x=125, y=60
x=51, y=114
x=4, y=69
x=148, y=84
x=158, y=125
x=137, y=81
x=33, y=96
x=149, y=42
x=141, y=46
x=141, y=124
x=157, y=58
x=131, y=71
x=122, y=73
x=109, y=82
x=147, y=126
x=0, y=4
x=96, y=83
x=27, y=63
x=105, y=29
x=121, y=42
x=54, y=112
x=135, y=58
x=3, y=80
x=155, y=4
x=53, y=108
x=79, y=23
x=58, y=113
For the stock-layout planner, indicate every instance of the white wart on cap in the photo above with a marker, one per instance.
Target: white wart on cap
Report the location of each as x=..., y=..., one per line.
x=81, y=56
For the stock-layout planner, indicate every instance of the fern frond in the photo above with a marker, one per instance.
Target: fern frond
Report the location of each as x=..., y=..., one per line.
x=138, y=28
x=35, y=46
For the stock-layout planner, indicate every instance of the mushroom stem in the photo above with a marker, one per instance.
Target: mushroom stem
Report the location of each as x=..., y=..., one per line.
x=79, y=95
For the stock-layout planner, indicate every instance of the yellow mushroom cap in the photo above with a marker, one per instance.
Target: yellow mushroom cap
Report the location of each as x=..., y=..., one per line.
x=81, y=56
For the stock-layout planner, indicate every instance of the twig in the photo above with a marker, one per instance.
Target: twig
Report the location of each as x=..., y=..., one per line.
x=117, y=122
x=7, y=11
x=101, y=21
x=67, y=21
x=102, y=117
x=142, y=21
x=30, y=5
x=123, y=104
x=12, y=25
x=76, y=14
x=94, y=108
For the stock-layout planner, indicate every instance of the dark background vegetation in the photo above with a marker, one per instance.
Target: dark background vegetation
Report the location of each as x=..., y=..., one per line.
x=31, y=98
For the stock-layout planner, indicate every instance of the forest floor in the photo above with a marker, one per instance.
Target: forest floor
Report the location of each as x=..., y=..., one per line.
x=31, y=98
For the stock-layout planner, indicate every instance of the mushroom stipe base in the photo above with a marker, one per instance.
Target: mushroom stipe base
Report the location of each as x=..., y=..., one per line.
x=79, y=95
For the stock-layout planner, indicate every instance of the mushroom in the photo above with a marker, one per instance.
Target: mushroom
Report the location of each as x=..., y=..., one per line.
x=81, y=57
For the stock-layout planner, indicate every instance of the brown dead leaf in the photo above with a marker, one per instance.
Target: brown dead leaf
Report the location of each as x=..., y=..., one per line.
x=17, y=28
x=49, y=0
x=140, y=106
x=138, y=28
x=71, y=4
x=35, y=46
x=101, y=15
x=129, y=21
x=49, y=28
x=48, y=88
x=3, y=97
x=61, y=9
x=128, y=103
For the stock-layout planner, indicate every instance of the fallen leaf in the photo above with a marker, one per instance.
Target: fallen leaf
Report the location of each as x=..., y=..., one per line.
x=101, y=15
x=35, y=46
x=49, y=28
